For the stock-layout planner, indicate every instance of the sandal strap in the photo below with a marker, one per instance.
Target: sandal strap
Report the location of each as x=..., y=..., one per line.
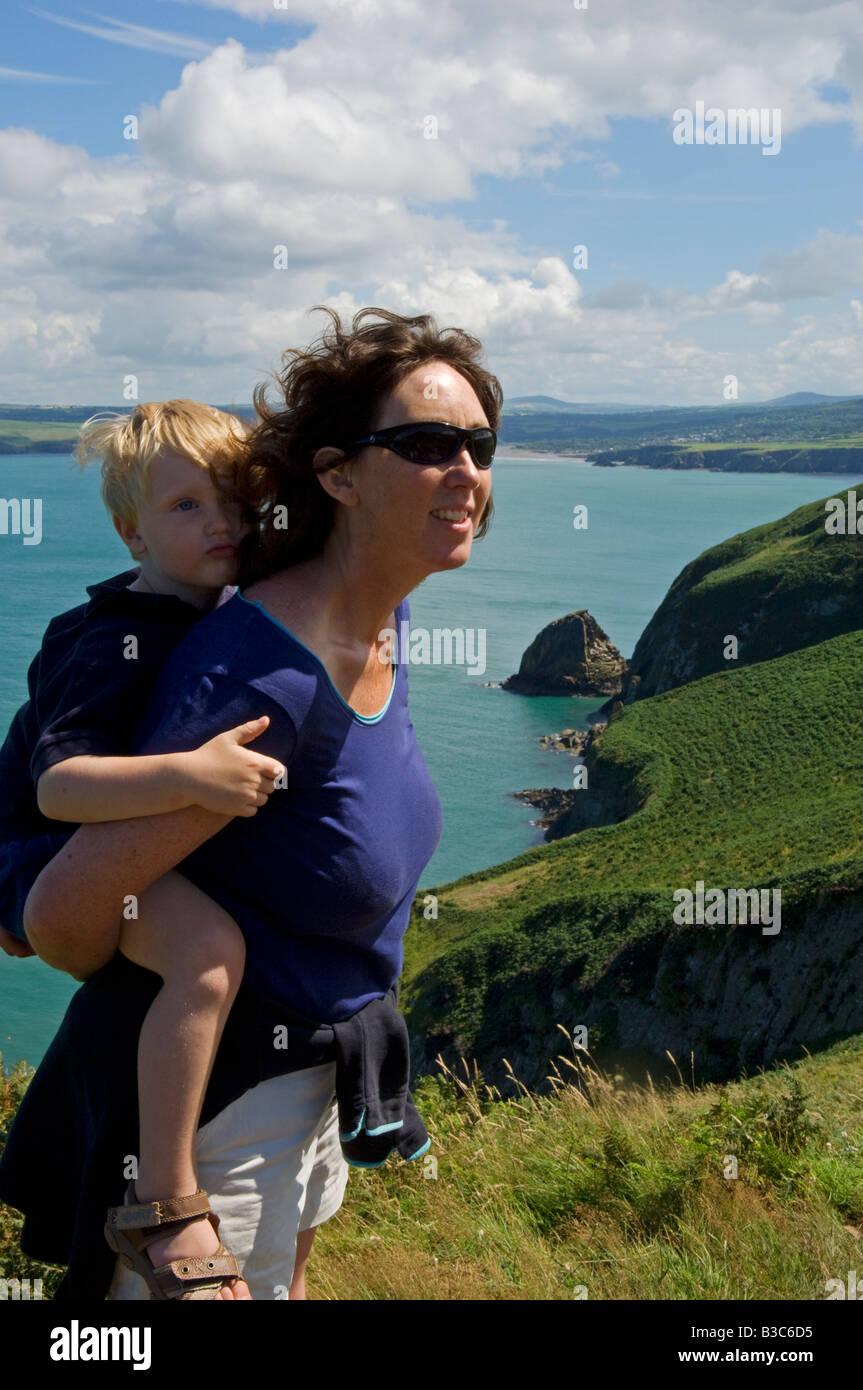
x=133, y=1227
x=143, y=1239
x=134, y=1215
x=196, y=1272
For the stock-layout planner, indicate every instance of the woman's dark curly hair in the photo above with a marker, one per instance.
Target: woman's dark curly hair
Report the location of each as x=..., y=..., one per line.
x=332, y=393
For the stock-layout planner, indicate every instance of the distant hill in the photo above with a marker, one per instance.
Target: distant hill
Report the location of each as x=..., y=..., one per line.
x=789, y=434
x=543, y=405
x=681, y=431
x=550, y=405
x=804, y=398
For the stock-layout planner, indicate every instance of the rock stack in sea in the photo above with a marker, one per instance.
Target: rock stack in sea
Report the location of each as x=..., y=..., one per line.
x=571, y=656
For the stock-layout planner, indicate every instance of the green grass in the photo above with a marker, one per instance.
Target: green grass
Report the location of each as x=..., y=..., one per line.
x=13, y=1264
x=749, y=776
x=615, y=1190
x=612, y=1189
x=31, y=431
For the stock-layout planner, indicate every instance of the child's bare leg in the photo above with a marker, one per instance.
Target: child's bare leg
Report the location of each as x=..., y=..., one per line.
x=198, y=950
x=74, y=910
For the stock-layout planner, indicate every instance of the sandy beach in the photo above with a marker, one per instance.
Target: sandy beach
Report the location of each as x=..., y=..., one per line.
x=517, y=451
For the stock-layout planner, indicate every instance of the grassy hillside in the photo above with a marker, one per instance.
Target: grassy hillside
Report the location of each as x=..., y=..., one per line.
x=605, y=1192
x=776, y=587
x=749, y=778
x=746, y=778
x=600, y=1191
x=36, y=436
x=30, y=430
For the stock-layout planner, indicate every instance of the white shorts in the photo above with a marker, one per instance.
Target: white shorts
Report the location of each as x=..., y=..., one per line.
x=272, y=1165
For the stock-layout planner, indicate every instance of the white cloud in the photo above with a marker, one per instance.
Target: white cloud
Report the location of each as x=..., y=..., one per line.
x=584, y=68
x=513, y=93
x=160, y=260
x=230, y=118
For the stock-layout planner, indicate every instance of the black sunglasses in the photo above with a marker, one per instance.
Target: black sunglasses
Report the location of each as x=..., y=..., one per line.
x=431, y=441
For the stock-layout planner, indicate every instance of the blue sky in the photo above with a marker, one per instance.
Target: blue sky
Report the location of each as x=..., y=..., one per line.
x=259, y=128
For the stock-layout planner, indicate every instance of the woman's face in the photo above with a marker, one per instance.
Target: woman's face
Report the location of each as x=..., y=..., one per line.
x=399, y=499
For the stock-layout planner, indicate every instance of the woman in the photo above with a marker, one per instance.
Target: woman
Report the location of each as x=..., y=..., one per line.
x=379, y=463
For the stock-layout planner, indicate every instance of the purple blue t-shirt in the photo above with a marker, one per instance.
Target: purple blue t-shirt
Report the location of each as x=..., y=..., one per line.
x=322, y=878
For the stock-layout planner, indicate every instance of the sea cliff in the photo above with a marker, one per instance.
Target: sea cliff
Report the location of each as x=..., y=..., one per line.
x=745, y=776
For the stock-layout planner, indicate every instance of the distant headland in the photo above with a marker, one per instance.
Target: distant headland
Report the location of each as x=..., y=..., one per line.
x=804, y=432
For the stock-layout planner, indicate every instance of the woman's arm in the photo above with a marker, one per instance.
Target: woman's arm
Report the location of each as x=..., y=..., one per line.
x=74, y=912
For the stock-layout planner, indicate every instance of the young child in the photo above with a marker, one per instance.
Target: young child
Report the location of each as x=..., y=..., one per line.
x=166, y=480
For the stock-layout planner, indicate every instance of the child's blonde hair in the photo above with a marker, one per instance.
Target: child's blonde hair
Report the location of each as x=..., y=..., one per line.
x=127, y=445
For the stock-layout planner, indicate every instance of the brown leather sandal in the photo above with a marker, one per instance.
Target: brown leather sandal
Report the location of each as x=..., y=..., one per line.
x=131, y=1228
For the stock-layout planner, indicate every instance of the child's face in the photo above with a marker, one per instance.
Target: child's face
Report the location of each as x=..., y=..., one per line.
x=187, y=534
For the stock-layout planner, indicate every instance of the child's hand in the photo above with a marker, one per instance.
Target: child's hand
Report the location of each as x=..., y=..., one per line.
x=12, y=946
x=229, y=778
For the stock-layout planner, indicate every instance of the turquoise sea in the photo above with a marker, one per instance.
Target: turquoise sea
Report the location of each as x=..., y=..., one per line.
x=480, y=743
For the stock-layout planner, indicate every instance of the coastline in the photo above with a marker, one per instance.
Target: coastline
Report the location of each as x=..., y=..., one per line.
x=518, y=451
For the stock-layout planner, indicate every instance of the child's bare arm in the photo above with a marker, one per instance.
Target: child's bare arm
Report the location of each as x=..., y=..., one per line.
x=222, y=776
x=87, y=788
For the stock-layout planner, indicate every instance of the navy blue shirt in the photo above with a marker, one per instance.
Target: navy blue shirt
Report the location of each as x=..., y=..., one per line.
x=322, y=878
x=89, y=686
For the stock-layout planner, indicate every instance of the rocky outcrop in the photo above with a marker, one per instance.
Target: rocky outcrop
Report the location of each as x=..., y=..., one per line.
x=573, y=741
x=572, y=656
x=557, y=804
x=739, y=999
x=732, y=997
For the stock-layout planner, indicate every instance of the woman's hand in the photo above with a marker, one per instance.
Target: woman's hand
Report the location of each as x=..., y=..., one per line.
x=228, y=778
